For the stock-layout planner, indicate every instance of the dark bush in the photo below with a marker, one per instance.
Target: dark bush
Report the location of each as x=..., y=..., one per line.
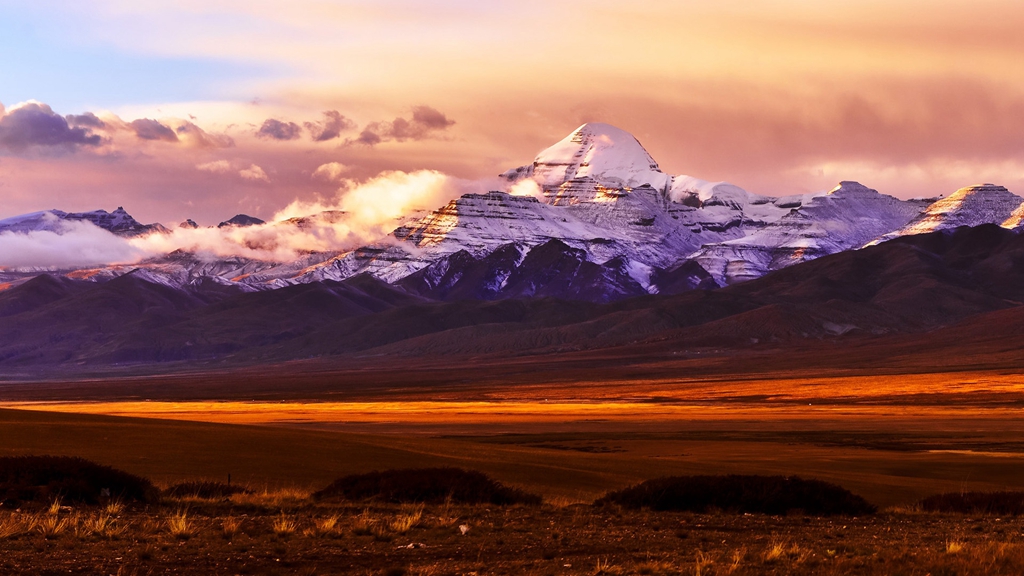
x=428, y=485
x=207, y=490
x=1001, y=503
x=42, y=479
x=756, y=494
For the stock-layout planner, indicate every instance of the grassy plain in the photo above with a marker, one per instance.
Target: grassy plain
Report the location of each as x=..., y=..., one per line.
x=892, y=438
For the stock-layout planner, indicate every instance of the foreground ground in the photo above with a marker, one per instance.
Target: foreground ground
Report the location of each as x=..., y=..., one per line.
x=286, y=534
x=892, y=438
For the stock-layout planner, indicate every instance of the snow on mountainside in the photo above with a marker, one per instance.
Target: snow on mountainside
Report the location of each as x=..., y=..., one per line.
x=847, y=217
x=969, y=206
x=595, y=152
x=119, y=222
x=592, y=217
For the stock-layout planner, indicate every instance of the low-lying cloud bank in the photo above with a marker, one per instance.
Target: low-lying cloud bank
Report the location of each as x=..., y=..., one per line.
x=70, y=245
x=359, y=213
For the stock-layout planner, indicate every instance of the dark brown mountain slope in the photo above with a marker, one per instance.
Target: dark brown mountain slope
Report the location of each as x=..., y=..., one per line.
x=910, y=286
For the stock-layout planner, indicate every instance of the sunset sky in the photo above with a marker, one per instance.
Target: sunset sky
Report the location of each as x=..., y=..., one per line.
x=204, y=109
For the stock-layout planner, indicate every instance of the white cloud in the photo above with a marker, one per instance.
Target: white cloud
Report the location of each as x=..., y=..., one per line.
x=73, y=245
x=372, y=209
x=527, y=187
x=254, y=172
x=330, y=172
x=217, y=167
x=360, y=213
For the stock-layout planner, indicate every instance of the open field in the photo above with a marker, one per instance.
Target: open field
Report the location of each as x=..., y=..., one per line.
x=893, y=439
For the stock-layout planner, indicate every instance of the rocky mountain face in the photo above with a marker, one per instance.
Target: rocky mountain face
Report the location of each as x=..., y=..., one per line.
x=592, y=218
x=118, y=222
x=970, y=206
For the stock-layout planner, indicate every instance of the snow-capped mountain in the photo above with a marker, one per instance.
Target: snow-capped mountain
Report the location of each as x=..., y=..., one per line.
x=968, y=206
x=119, y=222
x=592, y=217
x=848, y=216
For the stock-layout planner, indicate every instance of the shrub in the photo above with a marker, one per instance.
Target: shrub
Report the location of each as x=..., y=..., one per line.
x=205, y=490
x=1002, y=503
x=427, y=485
x=759, y=494
x=44, y=479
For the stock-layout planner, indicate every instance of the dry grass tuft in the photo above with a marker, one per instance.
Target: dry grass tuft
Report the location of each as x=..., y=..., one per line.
x=905, y=509
x=446, y=516
x=280, y=498
x=737, y=560
x=52, y=525
x=180, y=526
x=13, y=525
x=407, y=520
x=229, y=527
x=102, y=525
x=564, y=501
x=284, y=526
x=780, y=549
x=322, y=527
x=364, y=523
x=604, y=566
x=384, y=528
x=204, y=490
x=114, y=507
x=702, y=562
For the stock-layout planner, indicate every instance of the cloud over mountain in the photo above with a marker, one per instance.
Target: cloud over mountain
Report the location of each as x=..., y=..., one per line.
x=71, y=245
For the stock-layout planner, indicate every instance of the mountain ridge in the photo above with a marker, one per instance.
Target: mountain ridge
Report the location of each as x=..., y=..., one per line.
x=913, y=285
x=604, y=199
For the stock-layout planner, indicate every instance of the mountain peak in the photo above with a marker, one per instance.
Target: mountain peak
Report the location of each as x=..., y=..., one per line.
x=241, y=220
x=597, y=151
x=968, y=206
x=848, y=187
